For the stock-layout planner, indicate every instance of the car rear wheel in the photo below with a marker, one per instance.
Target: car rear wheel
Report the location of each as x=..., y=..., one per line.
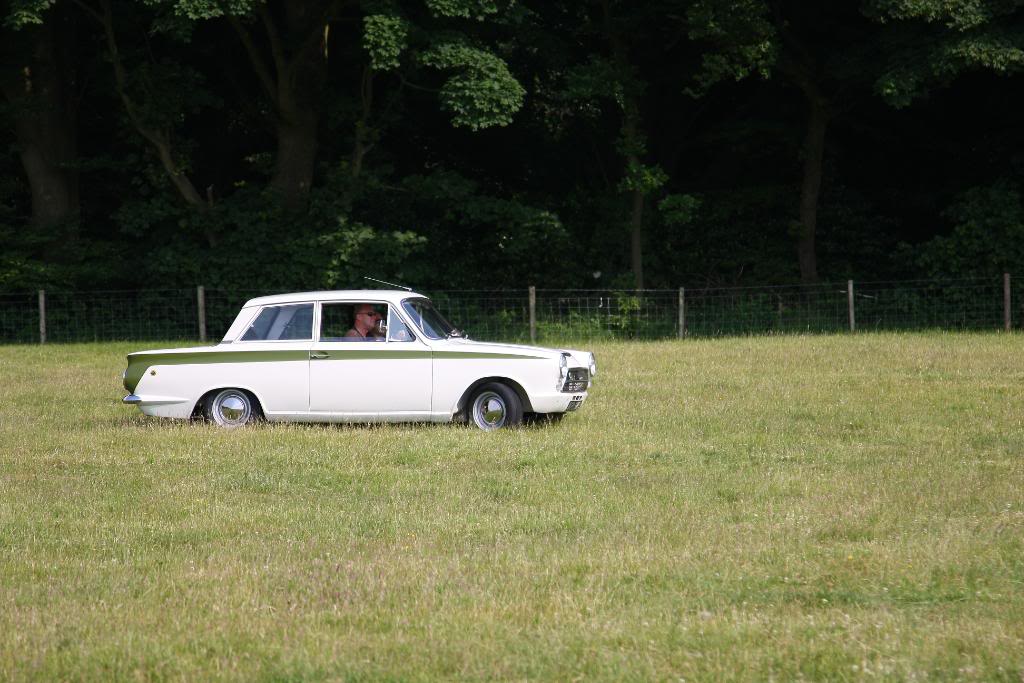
x=230, y=408
x=495, y=406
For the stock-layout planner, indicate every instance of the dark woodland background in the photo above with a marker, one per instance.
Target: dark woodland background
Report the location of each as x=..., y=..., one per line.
x=491, y=144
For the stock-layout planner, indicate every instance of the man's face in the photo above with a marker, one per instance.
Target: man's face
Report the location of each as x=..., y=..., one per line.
x=367, y=318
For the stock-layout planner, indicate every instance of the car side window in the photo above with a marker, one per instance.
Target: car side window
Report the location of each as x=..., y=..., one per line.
x=335, y=321
x=353, y=322
x=398, y=331
x=282, y=323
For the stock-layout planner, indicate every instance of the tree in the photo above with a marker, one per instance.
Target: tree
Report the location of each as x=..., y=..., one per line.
x=825, y=52
x=939, y=40
x=38, y=82
x=290, y=58
x=617, y=50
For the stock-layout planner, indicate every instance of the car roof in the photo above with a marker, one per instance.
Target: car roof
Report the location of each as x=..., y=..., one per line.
x=393, y=296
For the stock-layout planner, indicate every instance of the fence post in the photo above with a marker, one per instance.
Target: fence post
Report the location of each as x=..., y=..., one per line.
x=849, y=302
x=533, y=314
x=201, y=306
x=682, y=312
x=1007, y=315
x=42, y=316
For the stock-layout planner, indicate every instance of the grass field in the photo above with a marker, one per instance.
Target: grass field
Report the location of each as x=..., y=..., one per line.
x=779, y=508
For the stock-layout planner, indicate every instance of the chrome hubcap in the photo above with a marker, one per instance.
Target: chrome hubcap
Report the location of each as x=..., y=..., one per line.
x=232, y=409
x=489, y=410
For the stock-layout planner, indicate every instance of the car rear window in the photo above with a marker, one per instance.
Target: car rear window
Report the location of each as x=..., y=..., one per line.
x=280, y=323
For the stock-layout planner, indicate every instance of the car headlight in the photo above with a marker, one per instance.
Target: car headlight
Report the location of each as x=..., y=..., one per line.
x=593, y=365
x=563, y=370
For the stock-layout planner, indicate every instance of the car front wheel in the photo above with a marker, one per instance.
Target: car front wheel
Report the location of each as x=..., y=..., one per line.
x=229, y=408
x=495, y=406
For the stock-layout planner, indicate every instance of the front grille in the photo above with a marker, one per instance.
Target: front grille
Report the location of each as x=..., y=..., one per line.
x=576, y=380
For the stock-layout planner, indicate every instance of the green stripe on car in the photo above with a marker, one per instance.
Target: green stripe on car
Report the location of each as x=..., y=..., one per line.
x=474, y=354
x=139, y=364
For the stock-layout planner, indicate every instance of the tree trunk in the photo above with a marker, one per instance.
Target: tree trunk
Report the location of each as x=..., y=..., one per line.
x=633, y=144
x=45, y=121
x=299, y=57
x=363, y=144
x=54, y=188
x=636, y=226
x=814, y=156
x=296, y=156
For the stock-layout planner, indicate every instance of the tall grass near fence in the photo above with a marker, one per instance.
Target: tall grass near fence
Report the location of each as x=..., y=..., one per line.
x=774, y=508
x=546, y=315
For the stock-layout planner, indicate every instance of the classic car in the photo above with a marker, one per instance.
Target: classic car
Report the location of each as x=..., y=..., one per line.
x=356, y=356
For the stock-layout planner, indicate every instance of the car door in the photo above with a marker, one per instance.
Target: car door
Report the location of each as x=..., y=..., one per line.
x=271, y=358
x=352, y=376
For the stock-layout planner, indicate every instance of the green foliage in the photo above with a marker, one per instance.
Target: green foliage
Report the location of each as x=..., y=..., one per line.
x=987, y=236
x=679, y=209
x=165, y=92
x=741, y=231
x=852, y=231
x=610, y=113
x=31, y=258
x=259, y=244
x=356, y=249
x=739, y=37
x=179, y=18
x=479, y=10
x=997, y=51
x=961, y=15
x=474, y=237
x=642, y=178
x=939, y=40
x=385, y=37
x=482, y=92
x=601, y=78
x=21, y=269
x=21, y=13
x=208, y=9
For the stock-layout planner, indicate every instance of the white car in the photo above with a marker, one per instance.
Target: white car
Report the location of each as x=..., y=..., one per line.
x=356, y=356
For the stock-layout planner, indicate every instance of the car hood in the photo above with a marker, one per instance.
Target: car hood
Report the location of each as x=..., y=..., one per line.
x=579, y=358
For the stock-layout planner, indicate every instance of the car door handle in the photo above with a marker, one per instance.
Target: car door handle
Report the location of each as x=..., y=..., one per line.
x=318, y=355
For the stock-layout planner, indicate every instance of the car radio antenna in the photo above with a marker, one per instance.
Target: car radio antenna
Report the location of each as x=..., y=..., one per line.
x=389, y=284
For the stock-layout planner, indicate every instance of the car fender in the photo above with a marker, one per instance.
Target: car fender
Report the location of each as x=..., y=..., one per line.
x=460, y=404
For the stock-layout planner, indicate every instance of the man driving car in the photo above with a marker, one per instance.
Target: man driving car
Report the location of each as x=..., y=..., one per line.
x=366, y=323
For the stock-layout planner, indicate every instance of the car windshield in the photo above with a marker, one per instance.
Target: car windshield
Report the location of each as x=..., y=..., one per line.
x=426, y=317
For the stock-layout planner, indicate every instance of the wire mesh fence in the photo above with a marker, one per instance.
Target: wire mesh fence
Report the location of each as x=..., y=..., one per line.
x=606, y=314
x=486, y=314
x=221, y=308
x=922, y=304
x=117, y=315
x=550, y=315
x=19, y=317
x=715, y=312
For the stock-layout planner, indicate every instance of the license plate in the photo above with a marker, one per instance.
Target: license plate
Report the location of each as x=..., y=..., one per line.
x=573, y=405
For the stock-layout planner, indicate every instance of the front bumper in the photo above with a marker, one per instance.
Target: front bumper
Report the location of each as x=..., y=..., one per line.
x=557, y=403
